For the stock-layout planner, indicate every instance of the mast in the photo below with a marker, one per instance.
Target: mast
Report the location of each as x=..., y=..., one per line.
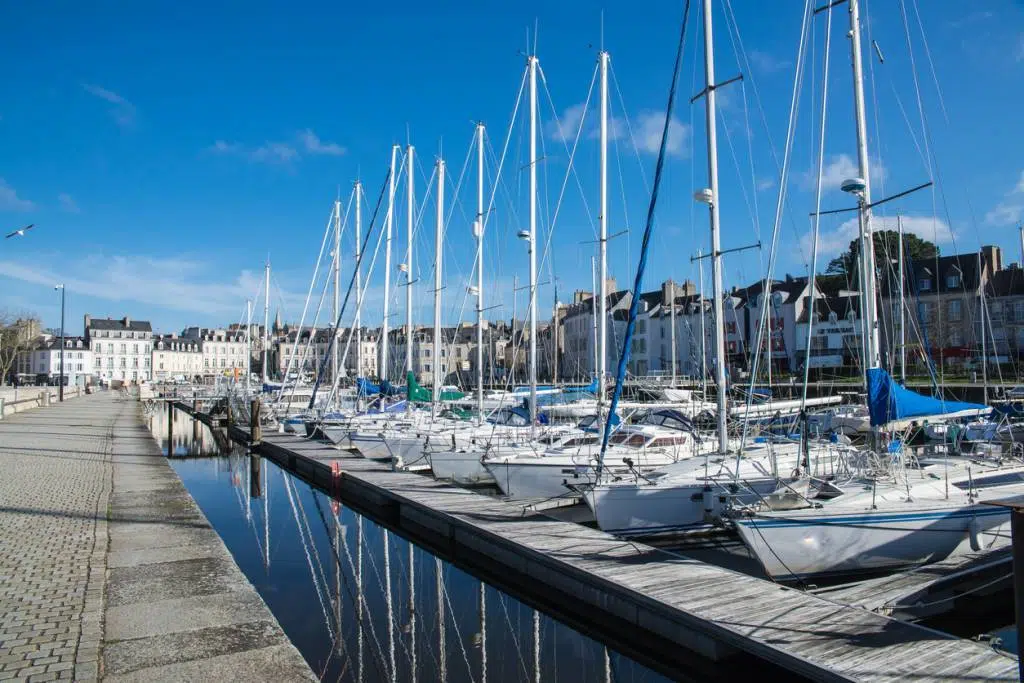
x=903, y=331
x=603, y=240
x=713, y=209
x=438, y=258
x=533, y=239
x=411, y=219
x=359, y=287
x=337, y=286
x=248, y=344
x=672, y=322
x=984, y=348
x=478, y=231
x=382, y=370
x=867, y=245
x=266, y=322
x=593, y=308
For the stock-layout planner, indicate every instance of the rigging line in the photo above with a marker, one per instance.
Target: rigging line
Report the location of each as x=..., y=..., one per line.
x=817, y=209
x=634, y=303
x=931, y=63
x=571, y=168
x=358, y=265
x=780, y=204
x=312, y=541
x=312, y=282
x=357, y=600
x=752, y=77
x=458, y=633
x=309, y=561
x=565, y=143
x=504, y=150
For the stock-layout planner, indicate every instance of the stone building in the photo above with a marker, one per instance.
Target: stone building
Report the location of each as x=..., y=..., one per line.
x=122, y=349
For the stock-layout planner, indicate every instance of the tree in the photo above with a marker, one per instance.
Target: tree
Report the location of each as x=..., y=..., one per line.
x=886, y=249
x=16, y=334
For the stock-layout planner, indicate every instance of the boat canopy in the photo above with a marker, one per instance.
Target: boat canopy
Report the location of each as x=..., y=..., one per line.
x=424, y=395
x=668, y=418
x=366, y=388
x=888, y=401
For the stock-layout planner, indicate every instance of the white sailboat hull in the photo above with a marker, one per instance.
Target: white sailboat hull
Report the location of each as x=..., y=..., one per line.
x=812, y=542
x=549, y=476
x=461, y=467
x=650, y=510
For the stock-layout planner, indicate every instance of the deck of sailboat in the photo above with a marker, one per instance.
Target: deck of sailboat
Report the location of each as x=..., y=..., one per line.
x=668, y=610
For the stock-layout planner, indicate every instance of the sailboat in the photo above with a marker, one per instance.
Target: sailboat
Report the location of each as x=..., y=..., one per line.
x=898, y=510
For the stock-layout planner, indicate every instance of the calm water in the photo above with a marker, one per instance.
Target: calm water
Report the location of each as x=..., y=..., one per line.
x=419, y=617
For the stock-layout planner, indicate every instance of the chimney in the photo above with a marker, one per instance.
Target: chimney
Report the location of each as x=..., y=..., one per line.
x=88, y=322
x=609, y=284
x=127, y=322
x=668, y=292
x=992, y=258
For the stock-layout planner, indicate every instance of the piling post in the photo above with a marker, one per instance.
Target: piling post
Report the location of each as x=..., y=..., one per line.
x=255, y=488
x=230, y=417
x=255, y=428
x=170, y=429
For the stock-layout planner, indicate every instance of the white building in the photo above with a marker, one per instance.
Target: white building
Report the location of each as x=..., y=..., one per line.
x=175, y=356
x=42, y=361
x=122, y=349
x=224, y=353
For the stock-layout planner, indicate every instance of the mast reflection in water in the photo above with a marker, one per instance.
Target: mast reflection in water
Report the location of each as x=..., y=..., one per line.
x=362, y=603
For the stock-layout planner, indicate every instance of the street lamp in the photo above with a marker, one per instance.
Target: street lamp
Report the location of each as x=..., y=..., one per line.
x=60, y=387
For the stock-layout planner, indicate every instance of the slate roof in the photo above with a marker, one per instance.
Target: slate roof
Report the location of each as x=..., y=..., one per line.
x=111, y=324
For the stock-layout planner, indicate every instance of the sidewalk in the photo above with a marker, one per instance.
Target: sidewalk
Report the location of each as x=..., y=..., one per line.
x=108, y=569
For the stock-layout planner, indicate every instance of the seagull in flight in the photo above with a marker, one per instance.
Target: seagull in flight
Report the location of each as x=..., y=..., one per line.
x=20, y=233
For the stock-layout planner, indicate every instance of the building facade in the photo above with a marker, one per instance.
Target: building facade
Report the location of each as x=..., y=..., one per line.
x=121, y=349
x=41, y=363
x=176, y=357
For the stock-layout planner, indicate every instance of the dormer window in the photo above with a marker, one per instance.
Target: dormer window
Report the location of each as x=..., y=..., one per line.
x=924, y=284
x=952, y=280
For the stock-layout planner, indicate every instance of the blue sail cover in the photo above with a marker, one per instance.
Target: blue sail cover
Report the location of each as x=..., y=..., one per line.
x=888, y=401
x=366, y=388
x=389, y=389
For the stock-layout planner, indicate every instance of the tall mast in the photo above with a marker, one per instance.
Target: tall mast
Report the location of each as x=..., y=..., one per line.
x=593, y=312
x=337, y=286
x=984, y=348
x=533, y=239
x=478, y=230
x=867, y=245
x=359, y=287
x=438, y=257
x=602, y=354
x=672, y=323
x=713, y=207
x=382, y=371
x=248, y=344
x=266, y=321
x=411, y=219
x=903, y=319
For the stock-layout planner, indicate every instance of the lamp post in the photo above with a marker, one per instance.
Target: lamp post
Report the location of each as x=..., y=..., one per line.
x=60, y=386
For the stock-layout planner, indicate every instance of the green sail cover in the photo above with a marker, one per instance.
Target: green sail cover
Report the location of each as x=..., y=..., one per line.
x=424, y=395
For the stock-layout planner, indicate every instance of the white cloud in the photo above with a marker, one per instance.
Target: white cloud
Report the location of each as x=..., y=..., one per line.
x=10, y=201
x=766, y=63
x=831, y=243
x=314, y=145
x=648, y=131
x=67, y=203
x=123, y=111
x=765, y=183
x=840, y=167
x=1010, y=209
x=173, y=283
x=283, y=153
x=566, y=126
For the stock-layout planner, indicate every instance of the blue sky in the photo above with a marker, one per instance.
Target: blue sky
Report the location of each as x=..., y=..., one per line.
x=163, y=151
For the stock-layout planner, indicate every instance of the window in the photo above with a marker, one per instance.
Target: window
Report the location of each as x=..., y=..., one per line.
x=924, y=284
x=426, y=367
x=952, y=280
x=955, y=338
x=924, y=312
x=954, y=311
x=1018, y=311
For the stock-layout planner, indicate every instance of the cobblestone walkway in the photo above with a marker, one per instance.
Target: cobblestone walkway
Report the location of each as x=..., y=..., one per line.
x=55, y=482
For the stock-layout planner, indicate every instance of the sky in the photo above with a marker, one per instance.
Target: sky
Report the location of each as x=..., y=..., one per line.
x=164, y=152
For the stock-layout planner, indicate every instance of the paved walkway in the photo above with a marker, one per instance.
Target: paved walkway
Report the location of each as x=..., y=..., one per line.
x=107, y=567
